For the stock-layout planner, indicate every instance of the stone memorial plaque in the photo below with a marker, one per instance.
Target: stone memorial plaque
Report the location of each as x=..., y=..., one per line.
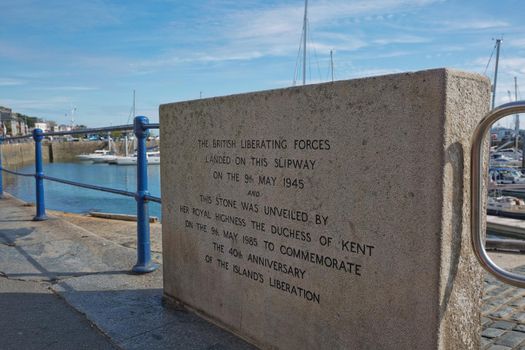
x=331, y=216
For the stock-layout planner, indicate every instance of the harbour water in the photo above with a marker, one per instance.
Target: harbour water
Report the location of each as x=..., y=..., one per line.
x=79, y=200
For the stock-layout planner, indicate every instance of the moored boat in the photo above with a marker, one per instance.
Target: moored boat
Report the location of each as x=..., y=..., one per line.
x=99, y=156
x=153, y=159
x=507, y=206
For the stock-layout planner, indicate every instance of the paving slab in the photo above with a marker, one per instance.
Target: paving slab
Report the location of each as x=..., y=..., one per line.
x=511, y=339
x=89, y=275
x=35, y=318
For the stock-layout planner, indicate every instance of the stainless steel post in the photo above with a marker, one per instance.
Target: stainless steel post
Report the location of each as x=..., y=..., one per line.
x=477, y=235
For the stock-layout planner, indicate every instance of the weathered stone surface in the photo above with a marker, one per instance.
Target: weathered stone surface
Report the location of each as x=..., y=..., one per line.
x=375, y=174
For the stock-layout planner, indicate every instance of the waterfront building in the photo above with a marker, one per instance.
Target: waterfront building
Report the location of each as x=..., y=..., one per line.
x=19, y=124
x=42, y=125
x=5, y=120
x=12, y=124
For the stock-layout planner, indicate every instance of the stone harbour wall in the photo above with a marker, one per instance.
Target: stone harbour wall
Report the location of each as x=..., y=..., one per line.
x=19, y=154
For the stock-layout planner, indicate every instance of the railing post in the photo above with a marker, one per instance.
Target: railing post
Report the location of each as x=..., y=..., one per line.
x=39, y=174
x=1, y=172
x=144, y=263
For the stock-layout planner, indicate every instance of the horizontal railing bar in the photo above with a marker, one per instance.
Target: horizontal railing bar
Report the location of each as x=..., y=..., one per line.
x=85, y=131
x=16, y=137
x=91, y=187
x=90, y=130
x=16, y=172
x=88, y=186
x=153, y=199
x=75, y=132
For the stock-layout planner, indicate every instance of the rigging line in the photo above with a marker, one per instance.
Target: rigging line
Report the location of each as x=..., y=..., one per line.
x=129, y=114
x=309, y=65
x=490, y=58
x=328, y=72
x=332, y=65
x=296, y=71
x=315, y=52
x=318, y=67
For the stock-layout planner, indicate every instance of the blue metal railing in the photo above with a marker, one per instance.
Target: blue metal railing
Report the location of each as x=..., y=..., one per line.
x=140, y=127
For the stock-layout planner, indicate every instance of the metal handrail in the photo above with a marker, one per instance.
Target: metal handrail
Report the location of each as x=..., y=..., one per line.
x=10, y=138
x=153, y=198
x=140, y=128
x=88, y=186
x=16, y=172
x=90, y=131
x=478, y=243
x=126, y=127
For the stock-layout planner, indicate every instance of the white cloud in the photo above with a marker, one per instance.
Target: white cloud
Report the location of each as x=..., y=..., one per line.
x=11, y=82
x=509, y=67
x=276, y=30
x=64, y=14
x=286, y=20
x=238, y=35
x=512, y=65
x=52, y=107
x=401, y=39
x=519, y=43
x=472, y=24
x=68, y=88
x=54, y=103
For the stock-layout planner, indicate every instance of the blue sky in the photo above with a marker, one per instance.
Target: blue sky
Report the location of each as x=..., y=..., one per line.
x=56, y=55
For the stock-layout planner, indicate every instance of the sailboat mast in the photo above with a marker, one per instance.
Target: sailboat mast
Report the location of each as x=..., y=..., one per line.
x=516, y=117
x=515, y=88
x=126, y=144
x=304, y=39
x=498, y=44
x=134, y=104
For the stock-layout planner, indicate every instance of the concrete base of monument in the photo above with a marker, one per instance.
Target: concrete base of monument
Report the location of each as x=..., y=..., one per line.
x=175, y=304
x=328, y=216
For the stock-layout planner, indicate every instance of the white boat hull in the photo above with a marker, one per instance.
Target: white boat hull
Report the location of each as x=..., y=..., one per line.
x=133, y=161
x=126, y=161
x=99, y=156
x=103, y=159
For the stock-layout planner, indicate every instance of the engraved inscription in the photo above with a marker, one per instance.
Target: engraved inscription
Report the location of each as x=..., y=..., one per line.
x=253, y=236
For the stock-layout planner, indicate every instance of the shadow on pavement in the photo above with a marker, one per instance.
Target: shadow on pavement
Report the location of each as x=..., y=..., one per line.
x=40, y=320
x=137, y=319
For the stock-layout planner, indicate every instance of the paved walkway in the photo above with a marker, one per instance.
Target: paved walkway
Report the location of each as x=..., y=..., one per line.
x=64, y=287
x=503, y=315
x=65, y=284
